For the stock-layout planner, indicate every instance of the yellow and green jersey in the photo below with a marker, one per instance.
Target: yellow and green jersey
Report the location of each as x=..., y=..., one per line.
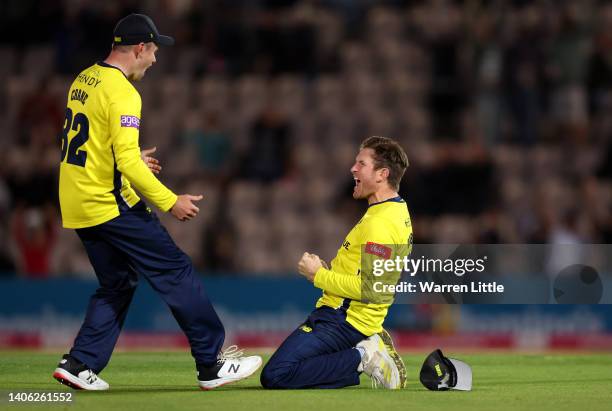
x=100, y=159
x=384, y=232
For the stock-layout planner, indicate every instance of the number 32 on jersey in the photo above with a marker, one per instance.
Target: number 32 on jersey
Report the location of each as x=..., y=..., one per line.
x=70, y=149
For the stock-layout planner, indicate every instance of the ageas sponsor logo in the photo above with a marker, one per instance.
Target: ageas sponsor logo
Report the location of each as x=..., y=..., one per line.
x=378, y=250
x=130, y=121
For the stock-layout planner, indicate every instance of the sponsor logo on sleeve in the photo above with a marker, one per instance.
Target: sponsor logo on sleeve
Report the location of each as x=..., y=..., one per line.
x=130, y=121
x=378, y=250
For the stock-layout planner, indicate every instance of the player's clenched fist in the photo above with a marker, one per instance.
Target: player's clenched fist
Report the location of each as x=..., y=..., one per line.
x=308, y=265
x=184, y=209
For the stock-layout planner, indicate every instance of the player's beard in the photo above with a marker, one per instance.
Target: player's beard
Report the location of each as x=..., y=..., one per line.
x=360, y=191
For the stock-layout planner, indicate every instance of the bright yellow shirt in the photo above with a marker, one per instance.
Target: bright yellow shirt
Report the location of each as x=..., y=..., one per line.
x=386, y=231
x=100, y=159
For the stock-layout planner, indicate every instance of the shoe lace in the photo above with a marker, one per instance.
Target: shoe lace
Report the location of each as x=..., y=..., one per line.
x=374, y=371
x=231, y=353
x=377, y=378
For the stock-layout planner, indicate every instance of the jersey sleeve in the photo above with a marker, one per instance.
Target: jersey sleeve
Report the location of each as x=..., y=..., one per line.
x=124, y=127
x=375, y=244
x=342, y=285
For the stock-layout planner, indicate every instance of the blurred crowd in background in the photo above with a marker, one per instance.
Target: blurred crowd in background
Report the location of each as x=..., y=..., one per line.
x=503, y=108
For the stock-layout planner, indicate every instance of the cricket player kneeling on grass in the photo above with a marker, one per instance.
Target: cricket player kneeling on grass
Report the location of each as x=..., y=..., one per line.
x=344, y=336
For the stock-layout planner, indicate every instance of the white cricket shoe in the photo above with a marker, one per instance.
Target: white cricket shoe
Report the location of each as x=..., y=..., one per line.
x=399, y=363
x=75, y=374
x=378, y=364
x=230, y=367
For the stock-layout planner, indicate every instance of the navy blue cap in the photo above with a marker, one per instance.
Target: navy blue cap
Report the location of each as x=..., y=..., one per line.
x=136, y=29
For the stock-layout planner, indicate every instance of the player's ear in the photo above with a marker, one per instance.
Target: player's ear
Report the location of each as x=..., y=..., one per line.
x=139, y=49
x=383, y=173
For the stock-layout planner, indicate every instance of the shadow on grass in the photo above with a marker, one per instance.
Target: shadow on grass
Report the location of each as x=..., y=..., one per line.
x=120, y=389
x=25, y=384
x=548, y=382
x=126, y=389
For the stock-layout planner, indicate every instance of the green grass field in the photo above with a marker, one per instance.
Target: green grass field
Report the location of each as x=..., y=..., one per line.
x=166, y=381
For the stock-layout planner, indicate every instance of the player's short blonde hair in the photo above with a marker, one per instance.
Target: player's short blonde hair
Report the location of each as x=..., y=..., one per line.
x=390, y=155
x=128, y=47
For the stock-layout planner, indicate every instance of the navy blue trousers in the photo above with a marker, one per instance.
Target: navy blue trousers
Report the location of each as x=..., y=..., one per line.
x=136, y=243
x=318, y=354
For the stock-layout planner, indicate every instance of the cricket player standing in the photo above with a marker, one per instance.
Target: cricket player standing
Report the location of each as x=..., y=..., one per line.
x=344, y=336
x=100, y=163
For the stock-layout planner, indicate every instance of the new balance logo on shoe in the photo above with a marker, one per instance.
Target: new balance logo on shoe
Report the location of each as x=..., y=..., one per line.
x=77, y=375
x=231, y=366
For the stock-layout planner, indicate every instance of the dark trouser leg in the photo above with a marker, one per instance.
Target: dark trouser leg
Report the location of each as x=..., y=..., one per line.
x=108, y=307
x=150, y=251
x=321, y=358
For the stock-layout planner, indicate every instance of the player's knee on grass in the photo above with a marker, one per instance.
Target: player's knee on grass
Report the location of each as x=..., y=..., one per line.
x=267, y=378
x=274, y=376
